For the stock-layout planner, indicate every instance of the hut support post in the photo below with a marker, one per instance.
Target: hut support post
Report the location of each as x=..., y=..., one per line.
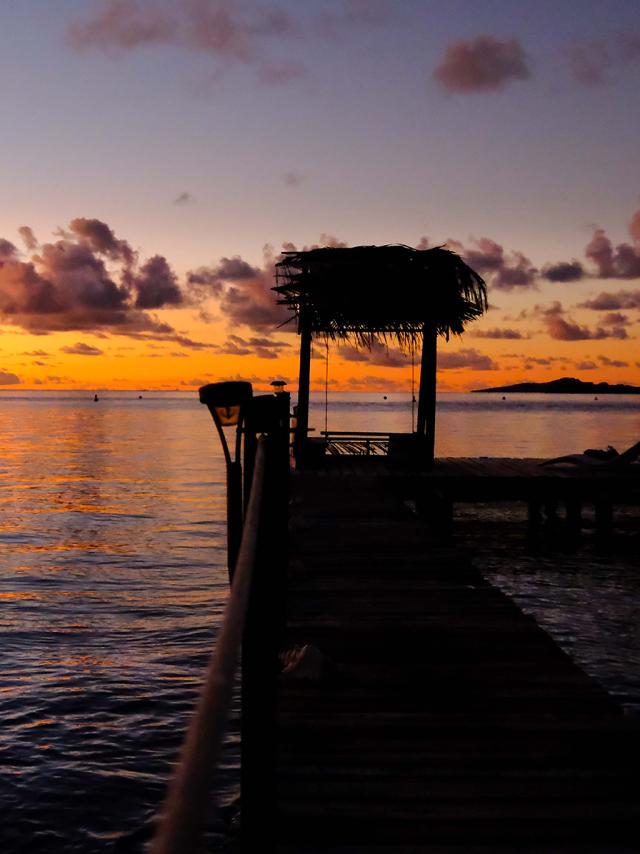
x=302, y=412
x=426, y=427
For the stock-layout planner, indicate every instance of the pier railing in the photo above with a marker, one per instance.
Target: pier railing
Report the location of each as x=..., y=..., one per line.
x=251, y=630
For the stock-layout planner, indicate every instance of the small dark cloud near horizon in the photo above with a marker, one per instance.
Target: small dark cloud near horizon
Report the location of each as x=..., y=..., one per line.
x=7, y=378
x=561, y=327
x=262, y=348
x=497, y=333
x=586, y=365
x=466, y=358
x=183, y=199
x=612, y=363
x=482, y=64
x=82, y=349
x=606, y=301
x=379, y=354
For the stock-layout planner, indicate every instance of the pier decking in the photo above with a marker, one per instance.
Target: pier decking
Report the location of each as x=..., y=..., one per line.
x=444, y=719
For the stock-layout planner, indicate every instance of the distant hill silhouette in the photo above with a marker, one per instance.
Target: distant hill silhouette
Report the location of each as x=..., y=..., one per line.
x=566, y=385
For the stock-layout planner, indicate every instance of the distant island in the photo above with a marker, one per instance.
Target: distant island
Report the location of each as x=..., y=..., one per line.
x=566, y=385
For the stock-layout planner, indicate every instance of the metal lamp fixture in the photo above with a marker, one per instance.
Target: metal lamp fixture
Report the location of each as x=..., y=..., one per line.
x=227, y=402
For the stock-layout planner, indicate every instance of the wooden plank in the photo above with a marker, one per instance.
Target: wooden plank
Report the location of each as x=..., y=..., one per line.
x=444, y=719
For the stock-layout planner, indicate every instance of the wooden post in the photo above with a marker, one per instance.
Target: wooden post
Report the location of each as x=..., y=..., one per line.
x=262, y=640
x=426, y=428
x=302, y=415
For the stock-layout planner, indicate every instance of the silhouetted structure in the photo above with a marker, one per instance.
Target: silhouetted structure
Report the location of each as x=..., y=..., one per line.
x=367, y=294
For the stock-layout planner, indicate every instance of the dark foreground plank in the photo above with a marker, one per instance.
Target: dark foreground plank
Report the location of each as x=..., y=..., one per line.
x=446, y=720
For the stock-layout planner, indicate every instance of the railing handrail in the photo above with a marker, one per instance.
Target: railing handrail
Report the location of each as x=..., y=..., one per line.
x=183, y=818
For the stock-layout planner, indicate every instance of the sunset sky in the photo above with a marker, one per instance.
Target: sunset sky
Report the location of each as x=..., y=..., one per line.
x=156, y=156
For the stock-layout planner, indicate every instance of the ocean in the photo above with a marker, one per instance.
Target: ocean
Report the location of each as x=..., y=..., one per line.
x=113, y=582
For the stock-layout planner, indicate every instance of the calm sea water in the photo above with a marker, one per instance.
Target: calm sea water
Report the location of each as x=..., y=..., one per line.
x=113, y=581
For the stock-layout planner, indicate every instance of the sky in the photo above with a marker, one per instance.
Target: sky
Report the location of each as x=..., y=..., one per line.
x=156, y=156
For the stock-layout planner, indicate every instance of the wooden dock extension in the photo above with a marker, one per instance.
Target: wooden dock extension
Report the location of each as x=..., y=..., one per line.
x=443, y=719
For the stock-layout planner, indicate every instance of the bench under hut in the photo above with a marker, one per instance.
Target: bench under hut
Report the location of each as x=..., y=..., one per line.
x=369, y=294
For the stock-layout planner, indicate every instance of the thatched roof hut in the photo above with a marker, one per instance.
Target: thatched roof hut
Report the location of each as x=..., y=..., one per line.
x=370, y=293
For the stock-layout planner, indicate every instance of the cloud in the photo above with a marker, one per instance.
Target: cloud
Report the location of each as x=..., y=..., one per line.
x=592, y=61
x=613, y=363
x=589, y=62
x=244, y=291
x=379, y=354
x=35, y=353
x=28, y=237
x=482, y=64
x=81, y=349
x=293, y=179
x=372, y=382
x=227, y=32
x=503, y=271
x=563, y=271
x=87, y=279
x=97, y=235
x=619, y=262
x=156, y=285
x=606, y=301
x=497, y=333
x=7, y=378
x=562, y=328
x=466, y=358
x=7, y=250
x=262, y=348
x=587, y=365
x=183, y=199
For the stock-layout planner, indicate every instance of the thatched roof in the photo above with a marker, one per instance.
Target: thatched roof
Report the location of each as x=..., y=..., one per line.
x=371, y=292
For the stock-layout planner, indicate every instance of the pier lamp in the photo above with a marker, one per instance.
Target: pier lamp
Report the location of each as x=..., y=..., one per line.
x=227, y=402
x=279, y=386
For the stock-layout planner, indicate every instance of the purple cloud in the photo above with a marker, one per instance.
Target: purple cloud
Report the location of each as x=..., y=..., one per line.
x=563, y=271
x=466, y=358
x=497, y=333
x=606, y=301
x=482, y=64
x=379, y=354
x=88, y=279
x=227, y=33
x=28, y=237
x=561, y=328
x=156, y=285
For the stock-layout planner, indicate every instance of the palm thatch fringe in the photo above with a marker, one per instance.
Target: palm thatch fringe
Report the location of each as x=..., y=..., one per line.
x=369, y=293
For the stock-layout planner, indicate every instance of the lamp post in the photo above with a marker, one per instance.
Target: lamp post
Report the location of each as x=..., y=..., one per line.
x=227, y=403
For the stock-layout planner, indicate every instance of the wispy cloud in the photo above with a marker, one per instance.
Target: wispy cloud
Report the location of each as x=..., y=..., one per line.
x=230, y=33
x=183, y=199
x=82, y=349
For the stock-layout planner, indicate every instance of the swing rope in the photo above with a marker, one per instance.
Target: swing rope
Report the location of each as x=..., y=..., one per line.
x=326, y=386
x=413, y=390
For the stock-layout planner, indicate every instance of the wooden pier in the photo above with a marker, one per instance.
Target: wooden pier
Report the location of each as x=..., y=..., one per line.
x=441, y=718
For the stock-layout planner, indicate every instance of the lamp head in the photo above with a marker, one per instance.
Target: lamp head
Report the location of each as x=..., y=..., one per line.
x=226, y=400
